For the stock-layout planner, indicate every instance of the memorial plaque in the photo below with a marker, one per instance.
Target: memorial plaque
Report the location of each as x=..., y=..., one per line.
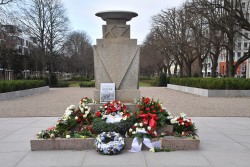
x=107, y=93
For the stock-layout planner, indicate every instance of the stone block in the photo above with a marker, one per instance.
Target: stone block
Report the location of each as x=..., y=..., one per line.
x=180, y=143
x=168, y=128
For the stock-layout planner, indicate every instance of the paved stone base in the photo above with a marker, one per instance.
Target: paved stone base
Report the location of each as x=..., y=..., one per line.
x=125, y=96
x=22, y=93
x=210, y=92
x=168, y=128
x=87, y=144
x=96, y=107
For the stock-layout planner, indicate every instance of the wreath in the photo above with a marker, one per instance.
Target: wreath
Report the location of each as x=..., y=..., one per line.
x=109, y=143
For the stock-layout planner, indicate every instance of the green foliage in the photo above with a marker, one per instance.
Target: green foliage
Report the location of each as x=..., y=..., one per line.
x=145, y=78
x=62, y=84
x=213, y=83
x=84, y=133
x=155, y=149
x=163, y=79
x=195, y=75
x=15, y=85
x=87, y=84
x=64, y=126
x=182, y=128
x=53, y=80
x=122, y=127
x=80, y=78
x=155, y=81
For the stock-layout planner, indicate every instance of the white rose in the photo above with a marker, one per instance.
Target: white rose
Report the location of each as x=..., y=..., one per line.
x=130, y=130
x=76, y=117
x=149, y=128
x=81, y=109
x=133, y=132
x=143, y=129
x=173, y=121
x=141, y=124
x=106, y=106
x=85, y=115
x=120, y=138
x=87, y=112
x=101, y=107
x=152, y=150
x=121, y=113
x=136, y=124
x=72, y=107
x=124, y=118
x=67, y=136
x=104, y=116
x=137, y=129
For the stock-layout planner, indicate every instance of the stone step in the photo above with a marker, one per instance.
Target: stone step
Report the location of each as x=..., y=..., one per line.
x=173, y=143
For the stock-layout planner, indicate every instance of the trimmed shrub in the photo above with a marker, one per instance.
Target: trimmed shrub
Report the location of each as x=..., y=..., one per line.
x=213, y=83
x=155, y=81
x=80, y=78
x=163, y=79
x=87, y=84
x=15, y=85
x=53, y=80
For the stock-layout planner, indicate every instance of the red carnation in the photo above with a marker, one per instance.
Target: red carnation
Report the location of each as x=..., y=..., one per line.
x=134, y=127
x=138, y=105
x=186, y=124
x=80, y=115
x=148, y=103
x=152, y=107
x=156, y=118
x=125, y=112
x=158, y=105
x=154, y=111
x=147, y=109
x=114, y=109
x=142, y=107
x=79, y=119
x=141, y=112
x=161, y=109
x=134, y=112
x=98, y=113
x=149, y=132
x=111, y=105
x=108, y=111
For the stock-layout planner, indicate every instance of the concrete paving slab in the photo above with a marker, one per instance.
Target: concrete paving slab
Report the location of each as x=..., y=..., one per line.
x=11, y=159
x=14, y=147
x=13, y=126
x=176, y=158
x=214, y=137
x=27, y=131
x=23, y=120
x=218, y=146
x=246, y=145
x=17, y=138
x=53, y=158
x=235, y=131
x=240, y=138
x=125, y=158
x=227, y=158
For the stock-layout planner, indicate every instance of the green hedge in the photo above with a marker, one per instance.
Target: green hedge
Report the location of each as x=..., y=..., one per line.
x=87, y=84
x=213, y=83
x=145, y=78
x=80, y=78
x=15, y=85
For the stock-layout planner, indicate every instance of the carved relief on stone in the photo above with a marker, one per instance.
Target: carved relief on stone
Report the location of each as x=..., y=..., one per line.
x=116, y=31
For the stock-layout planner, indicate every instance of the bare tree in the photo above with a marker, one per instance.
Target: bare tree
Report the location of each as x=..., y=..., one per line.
x=79, y=49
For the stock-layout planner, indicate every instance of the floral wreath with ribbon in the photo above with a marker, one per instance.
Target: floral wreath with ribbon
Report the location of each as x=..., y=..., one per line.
x=112, y=109
x=114, y=145
x=150, y=116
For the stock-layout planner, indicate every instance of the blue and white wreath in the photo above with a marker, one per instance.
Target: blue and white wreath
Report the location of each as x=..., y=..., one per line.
x=114, y=146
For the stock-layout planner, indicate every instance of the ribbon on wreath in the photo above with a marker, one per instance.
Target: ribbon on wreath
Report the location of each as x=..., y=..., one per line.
x=145, y=118
x=80, y=126
x=152, y=121
x=136, y=147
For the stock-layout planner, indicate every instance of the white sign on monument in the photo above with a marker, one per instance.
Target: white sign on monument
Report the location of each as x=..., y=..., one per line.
x=107, y=92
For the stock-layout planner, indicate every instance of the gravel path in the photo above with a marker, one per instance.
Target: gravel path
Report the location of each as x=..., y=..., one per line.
x=54, y=102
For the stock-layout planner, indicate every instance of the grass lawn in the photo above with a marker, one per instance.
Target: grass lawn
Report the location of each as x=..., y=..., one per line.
x=145, y=83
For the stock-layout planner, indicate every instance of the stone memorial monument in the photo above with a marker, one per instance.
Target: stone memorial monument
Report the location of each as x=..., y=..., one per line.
x=116, y=57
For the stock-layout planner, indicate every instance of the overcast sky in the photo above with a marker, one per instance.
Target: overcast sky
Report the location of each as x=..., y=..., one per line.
x=82, y=14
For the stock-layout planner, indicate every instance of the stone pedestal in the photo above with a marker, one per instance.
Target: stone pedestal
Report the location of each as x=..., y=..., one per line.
x=116, y=57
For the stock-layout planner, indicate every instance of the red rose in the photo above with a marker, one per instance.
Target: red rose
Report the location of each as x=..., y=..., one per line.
x=79, y=119
x=190, y=123
x=138, y=105
x=128, y=115
x=161, y=109
x=108, y=111
x=129, y=134
x=125, y=112
x=186, y=124
x=141, y=112
x=154, y=111
x=134, y=127
x=158, y=105
x=147, y=109
x=156, y=118
x=152, y=107
x=167, y=133
x=111, y=105
x=114, y=109
x=148, y=103
x=172, y=133
x=149, y=132
x=142, y=107
x=98, y=113
x=80, y=115
x=134, y=112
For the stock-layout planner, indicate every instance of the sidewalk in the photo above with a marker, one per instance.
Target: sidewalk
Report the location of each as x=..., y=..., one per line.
x=225, y=141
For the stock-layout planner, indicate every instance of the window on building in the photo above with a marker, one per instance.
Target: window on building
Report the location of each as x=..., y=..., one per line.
x=239, y=37
x=239, y=46
x=243, y=4
x=247, y=15
x=239, y=55
x=245, y=46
